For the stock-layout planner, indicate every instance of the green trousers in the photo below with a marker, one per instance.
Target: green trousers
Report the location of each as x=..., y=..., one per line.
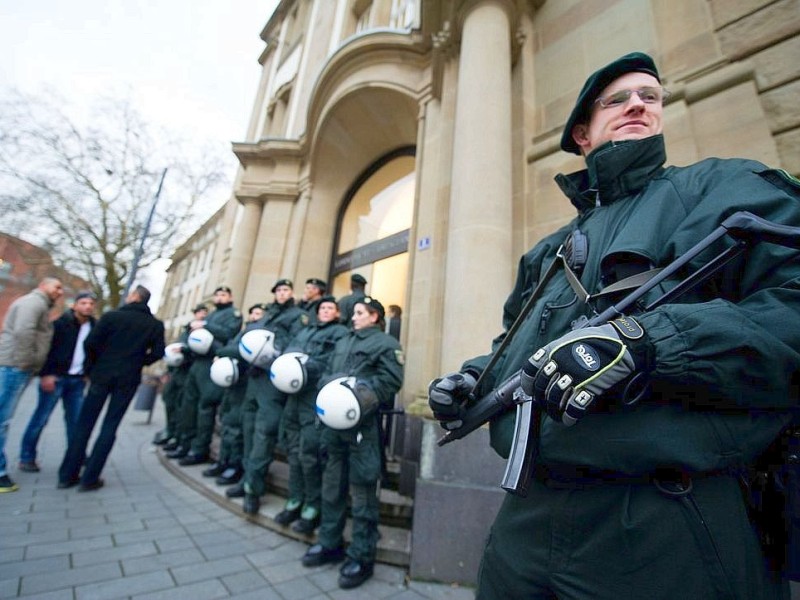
x=352, y=462
x=206, y=396
x=625, y=541
x=231, y=446
x=265, y=428
x=171, y=396
x=301, y=439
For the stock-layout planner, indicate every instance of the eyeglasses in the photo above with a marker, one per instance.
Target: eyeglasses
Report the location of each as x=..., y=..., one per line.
x=648, y=95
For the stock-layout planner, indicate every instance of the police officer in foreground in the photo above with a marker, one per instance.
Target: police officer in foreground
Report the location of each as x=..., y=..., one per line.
x=301, y=430
x=374, y=361
x=642, y=502
x=263, y=402
x=201, y=396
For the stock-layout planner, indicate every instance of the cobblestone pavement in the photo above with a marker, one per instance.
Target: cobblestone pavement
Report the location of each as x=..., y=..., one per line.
x=147, y=535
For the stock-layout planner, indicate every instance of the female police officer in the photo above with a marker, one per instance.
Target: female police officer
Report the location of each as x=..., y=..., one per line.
x=373, y=363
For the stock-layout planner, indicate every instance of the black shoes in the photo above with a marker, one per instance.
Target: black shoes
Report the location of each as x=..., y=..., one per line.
x=179, y=452
x=236, y=491
x=6, y=485
x=193, y=459
x=305, y=526
x=353, y=574
x=319, y=555
x=230, y=476
x=252, y=504
x=215, y=470
x=91, y=487
x=170, y=445
x=287, y=516
x=29, y=466
x=62, y=485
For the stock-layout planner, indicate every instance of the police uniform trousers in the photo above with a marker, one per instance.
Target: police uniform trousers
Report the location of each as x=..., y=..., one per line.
x=301, y=439
x=266, y=428
x=231, y=446
x=171, y=396
x=206, y=395
x=625, y=541
x=352, y=460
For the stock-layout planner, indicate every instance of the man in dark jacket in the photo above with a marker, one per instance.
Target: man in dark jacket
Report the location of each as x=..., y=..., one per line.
x=122, y=342
x=644, y=501
x=62, y=376
x=358, y=285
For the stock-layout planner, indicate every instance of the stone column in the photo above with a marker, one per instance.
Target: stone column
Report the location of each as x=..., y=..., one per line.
x=244, y=241
x=479, y=261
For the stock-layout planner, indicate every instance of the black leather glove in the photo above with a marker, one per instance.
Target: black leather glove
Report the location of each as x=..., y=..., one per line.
x=565, y=376
x=447, y=396
x=367, y=398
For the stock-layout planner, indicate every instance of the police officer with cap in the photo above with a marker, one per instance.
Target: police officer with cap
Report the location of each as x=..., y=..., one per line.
x=375, y=360
x=642, y=501
x=264, y=403
x=173, y=387
x=300, y=427
x=358, y=286
x=201, y=396
x=312, y=294
x=229, y=467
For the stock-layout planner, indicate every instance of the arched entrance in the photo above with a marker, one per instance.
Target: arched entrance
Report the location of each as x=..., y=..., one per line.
x=373, y=229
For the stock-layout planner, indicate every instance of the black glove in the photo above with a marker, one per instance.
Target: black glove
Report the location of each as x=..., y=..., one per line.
x=447, y=396
x=367, y=398
x=565, y=376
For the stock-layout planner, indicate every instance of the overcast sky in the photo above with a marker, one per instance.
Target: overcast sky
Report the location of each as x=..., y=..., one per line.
x=188, y=65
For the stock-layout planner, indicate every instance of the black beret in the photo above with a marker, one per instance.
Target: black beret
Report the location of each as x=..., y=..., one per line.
x=633, y=62
x=325, y=299
x=373, y=305
x=358, y=279
x=223, y=288
x=260, y=305
x=199, y=307
x=317, y=282
x=286, y=282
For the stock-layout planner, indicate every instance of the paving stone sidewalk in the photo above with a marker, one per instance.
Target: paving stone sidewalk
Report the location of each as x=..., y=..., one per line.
x=147, y=535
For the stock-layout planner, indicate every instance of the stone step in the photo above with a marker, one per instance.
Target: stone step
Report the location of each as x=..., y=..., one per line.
x=394, y=545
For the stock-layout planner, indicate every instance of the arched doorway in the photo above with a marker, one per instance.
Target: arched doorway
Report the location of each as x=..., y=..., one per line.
x=373, y=229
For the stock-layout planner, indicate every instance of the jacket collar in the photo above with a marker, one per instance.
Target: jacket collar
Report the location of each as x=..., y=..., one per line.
x=613, y=171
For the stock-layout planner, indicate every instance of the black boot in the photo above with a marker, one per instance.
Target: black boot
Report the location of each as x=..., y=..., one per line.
x=215, y=470
x=236, y=491
x=252, y=504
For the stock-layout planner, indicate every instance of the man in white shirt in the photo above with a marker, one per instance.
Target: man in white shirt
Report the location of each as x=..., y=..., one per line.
x=61, y=377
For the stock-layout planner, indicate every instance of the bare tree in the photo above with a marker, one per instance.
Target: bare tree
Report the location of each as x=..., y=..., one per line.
x=83, y=187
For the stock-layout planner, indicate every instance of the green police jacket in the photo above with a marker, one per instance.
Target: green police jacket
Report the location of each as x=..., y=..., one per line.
x=317, y=340
x=284, y=320
x=223, y=323
x=726, y=356
x=371, y=356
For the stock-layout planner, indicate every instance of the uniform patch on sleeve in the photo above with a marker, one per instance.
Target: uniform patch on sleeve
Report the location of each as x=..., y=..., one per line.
x=399, y=357
x=236, y=313
x=304, y=319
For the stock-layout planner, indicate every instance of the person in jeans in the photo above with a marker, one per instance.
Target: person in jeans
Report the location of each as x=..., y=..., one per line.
x=61, y=377
x=24, y=343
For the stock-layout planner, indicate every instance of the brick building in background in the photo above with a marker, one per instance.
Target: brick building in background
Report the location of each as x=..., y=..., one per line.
x=22, y=266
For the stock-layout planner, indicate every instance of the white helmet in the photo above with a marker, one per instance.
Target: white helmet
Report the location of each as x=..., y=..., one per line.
x=339, y=407
x=200, y=341
x=288, y=372
x=173, y=354
x=257, y=347
x=225, y=371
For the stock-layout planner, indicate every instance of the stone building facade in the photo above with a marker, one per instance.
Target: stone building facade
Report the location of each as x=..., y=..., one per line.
x=416, y=141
